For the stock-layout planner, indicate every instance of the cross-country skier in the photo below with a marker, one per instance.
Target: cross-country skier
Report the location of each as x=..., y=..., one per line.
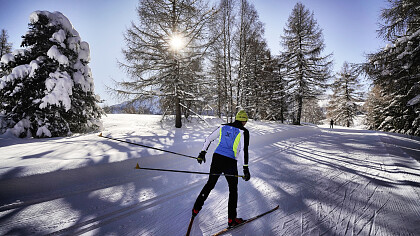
x=233, y=145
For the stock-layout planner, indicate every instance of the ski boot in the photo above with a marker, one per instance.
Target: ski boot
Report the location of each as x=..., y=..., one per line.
x=235, y=222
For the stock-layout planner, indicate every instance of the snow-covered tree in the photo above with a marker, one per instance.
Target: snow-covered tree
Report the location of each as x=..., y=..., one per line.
x=396, y=68
x=164, y=52
x=48, y=89
x=307, y=70
x=374, y=107
x=346, y=93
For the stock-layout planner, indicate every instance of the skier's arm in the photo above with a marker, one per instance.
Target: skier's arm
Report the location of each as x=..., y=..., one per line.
x=245, y=147
x=244, y=151
x=211, y=138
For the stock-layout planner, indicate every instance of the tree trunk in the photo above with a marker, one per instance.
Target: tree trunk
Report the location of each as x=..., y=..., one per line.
x=299, y=111
x=178, y=122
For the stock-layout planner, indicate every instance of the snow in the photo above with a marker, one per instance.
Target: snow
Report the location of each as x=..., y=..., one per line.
x=59, y=89
x=342, y=181
x=59, y=37
x=34, y=66
x=8, y=57
x=414, y=101
x=84, y=80
x=84, y=53
x=19, y=72
x=43, y=131
x=56, y=18
x=55, y=54
x=20, y=127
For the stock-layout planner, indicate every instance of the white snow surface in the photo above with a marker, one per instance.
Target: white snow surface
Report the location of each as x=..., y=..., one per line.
x=59, y=89
x=337, y=181
x=54, y=53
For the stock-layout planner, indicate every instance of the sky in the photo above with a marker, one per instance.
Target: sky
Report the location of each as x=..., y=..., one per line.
x=349, y=29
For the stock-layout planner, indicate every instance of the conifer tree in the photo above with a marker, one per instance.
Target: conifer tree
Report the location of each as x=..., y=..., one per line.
x=281, y=98
x=374, y=107
x=396, y=68
x=307, y=69
x=48, y=89
x=312, y=112
x=254, y=64
x=164, y=52
x=5, y=46
x=343, y=103
x=217, y=90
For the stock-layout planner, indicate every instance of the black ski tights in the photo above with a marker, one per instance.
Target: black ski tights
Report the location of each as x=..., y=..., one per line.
x=221, y=164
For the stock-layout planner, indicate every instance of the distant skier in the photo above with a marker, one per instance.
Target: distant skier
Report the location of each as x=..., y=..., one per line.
x=233, y=145
x=332, y=124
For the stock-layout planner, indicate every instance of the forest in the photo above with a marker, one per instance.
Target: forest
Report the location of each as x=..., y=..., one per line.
x=195, y=57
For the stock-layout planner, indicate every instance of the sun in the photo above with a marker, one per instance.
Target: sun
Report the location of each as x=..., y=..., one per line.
x=176, y=42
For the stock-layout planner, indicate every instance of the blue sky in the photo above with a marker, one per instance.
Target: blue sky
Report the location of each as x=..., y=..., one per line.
x=349, y=28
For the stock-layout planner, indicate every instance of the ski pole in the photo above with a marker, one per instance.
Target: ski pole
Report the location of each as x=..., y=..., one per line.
x=141, y=145
x=184, y=171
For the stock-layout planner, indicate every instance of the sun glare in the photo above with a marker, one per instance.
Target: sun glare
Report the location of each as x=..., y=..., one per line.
x=176, y=42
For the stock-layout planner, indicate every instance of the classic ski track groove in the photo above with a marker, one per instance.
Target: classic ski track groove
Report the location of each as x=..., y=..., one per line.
x=89, y=225
x=361, y=212
x=126, y=211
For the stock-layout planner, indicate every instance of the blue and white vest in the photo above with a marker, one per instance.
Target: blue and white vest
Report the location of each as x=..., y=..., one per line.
x=231, y=142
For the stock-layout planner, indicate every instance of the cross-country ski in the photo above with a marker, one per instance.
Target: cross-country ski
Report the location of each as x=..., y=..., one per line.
x=245, y=222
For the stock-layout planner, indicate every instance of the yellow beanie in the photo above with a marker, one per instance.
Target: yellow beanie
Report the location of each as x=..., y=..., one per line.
x=241, y=116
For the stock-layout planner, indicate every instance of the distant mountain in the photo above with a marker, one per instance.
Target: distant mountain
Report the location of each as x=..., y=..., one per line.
x=147, y=106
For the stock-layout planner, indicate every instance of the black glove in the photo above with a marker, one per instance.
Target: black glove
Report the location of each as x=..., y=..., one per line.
x=247, y=175
x=201, y=157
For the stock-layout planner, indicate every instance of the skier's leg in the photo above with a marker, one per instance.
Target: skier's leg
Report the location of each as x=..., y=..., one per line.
x=211, y=182
x=233, y=190
x=233, y=196
x=205, y=192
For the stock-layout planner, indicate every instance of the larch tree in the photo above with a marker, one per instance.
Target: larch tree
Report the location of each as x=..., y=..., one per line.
x=307, y=69
x=164, y=52
x=312, y=112
x=253, y=59
x=346, y=93
x=222, y=59
x=5, y=46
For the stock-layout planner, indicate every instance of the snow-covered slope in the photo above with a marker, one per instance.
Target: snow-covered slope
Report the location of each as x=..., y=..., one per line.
x=330, y=182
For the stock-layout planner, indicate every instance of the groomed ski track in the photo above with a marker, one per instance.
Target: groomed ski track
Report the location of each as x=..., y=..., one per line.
x=327, y=182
